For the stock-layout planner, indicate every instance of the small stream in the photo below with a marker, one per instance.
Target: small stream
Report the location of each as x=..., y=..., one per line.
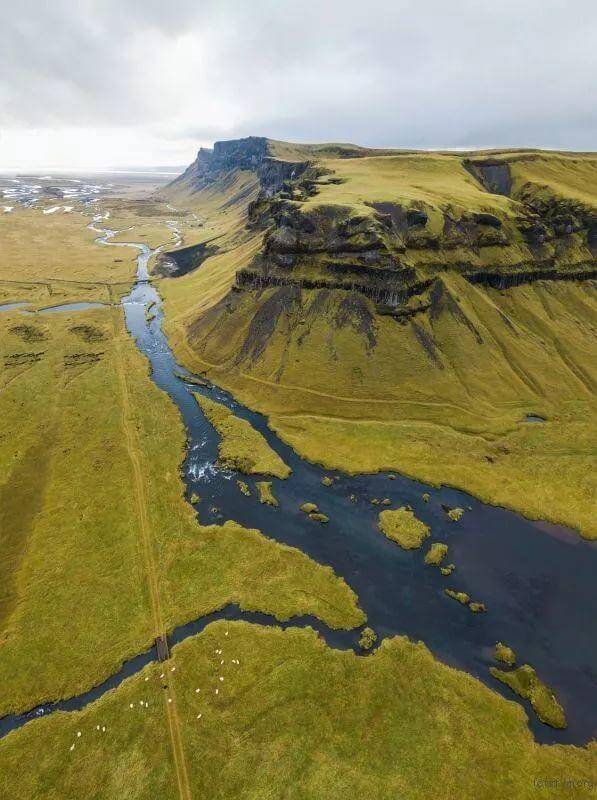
x=536, y=579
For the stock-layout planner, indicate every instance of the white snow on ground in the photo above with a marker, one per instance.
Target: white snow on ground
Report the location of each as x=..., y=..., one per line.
x=67, y=209
x=8, y=209
x=52, y=210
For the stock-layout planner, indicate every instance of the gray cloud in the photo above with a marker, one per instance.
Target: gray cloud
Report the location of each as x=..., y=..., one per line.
x=382, y=72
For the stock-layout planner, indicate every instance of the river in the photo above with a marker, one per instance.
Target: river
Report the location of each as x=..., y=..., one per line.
x=537, y=580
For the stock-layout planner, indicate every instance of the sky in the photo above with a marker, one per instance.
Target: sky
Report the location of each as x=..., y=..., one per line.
x=120, y=83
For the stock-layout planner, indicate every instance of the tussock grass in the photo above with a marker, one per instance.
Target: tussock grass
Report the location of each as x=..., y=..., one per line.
x=403, y=527
x=504, y=654
x=436, y=554
x=266, y=494
x=48, y=259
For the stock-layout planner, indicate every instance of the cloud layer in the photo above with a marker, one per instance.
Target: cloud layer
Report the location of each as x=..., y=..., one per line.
x=118, y=82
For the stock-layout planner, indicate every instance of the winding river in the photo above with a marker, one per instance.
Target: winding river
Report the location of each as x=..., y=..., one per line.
x=536, y=579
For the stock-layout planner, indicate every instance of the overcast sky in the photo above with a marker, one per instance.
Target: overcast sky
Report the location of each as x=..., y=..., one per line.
x=139, y=82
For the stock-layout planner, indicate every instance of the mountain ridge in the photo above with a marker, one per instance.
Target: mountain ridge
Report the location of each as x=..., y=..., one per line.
x=390, y=312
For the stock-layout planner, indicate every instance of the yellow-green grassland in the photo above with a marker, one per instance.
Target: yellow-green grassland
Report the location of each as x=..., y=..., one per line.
x=79, y=417
x=297, y=719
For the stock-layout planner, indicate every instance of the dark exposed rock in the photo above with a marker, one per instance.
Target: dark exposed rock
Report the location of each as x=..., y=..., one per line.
x=415, y=218
x=251, y=153
x=506, y=280
x=483, y=218
x=443, y=301
x=174, y=263
x=381, y=292
x=354, y=310
x=265, y=321
x=492, y=174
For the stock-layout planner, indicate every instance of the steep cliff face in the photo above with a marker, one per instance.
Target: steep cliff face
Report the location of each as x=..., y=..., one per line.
x=389, y=225
x=253, y=154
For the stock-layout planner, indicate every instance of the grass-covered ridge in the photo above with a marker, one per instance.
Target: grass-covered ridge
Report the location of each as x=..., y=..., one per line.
x=294, y=718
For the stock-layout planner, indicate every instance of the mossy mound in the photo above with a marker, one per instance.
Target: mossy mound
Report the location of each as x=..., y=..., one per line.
x=426, y=497
x=194, y=498
x=448, y=570
x=436, y=554
x=403, y=527
x=504, y=654
x=244, y=488
x=327, y=481
x=316, y=516
x=455, y=514
x=266, y=495
x=242, y=448
x=476, y=608
x=367, y=638
x=462, y=597
x=525, y=683
x=308, y=508
x=29, y=333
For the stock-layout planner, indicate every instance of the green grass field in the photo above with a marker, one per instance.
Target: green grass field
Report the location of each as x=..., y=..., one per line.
x=74, y=590
x=295, y=719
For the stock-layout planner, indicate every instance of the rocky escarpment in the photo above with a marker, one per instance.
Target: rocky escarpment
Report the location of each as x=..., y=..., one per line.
x=492, y=173
x=390, y=255
x=251, y=154
x=391, y=251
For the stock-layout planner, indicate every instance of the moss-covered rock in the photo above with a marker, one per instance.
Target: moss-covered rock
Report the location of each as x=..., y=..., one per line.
x=317, y=516
x=308, y=508
x=504, y=654
x=525, y=683
x=327, y=481
x=455, y=514
x=266, y=494
x=436, y=554
x=448, y=569
x=244, y=488
x=401, y=526
x=367, y=639
x=462, y=597
x=194, y=498
x=476, y=608
x=426, y=497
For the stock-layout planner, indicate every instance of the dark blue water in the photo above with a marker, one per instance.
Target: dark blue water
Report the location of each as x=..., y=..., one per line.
x=537, y=580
